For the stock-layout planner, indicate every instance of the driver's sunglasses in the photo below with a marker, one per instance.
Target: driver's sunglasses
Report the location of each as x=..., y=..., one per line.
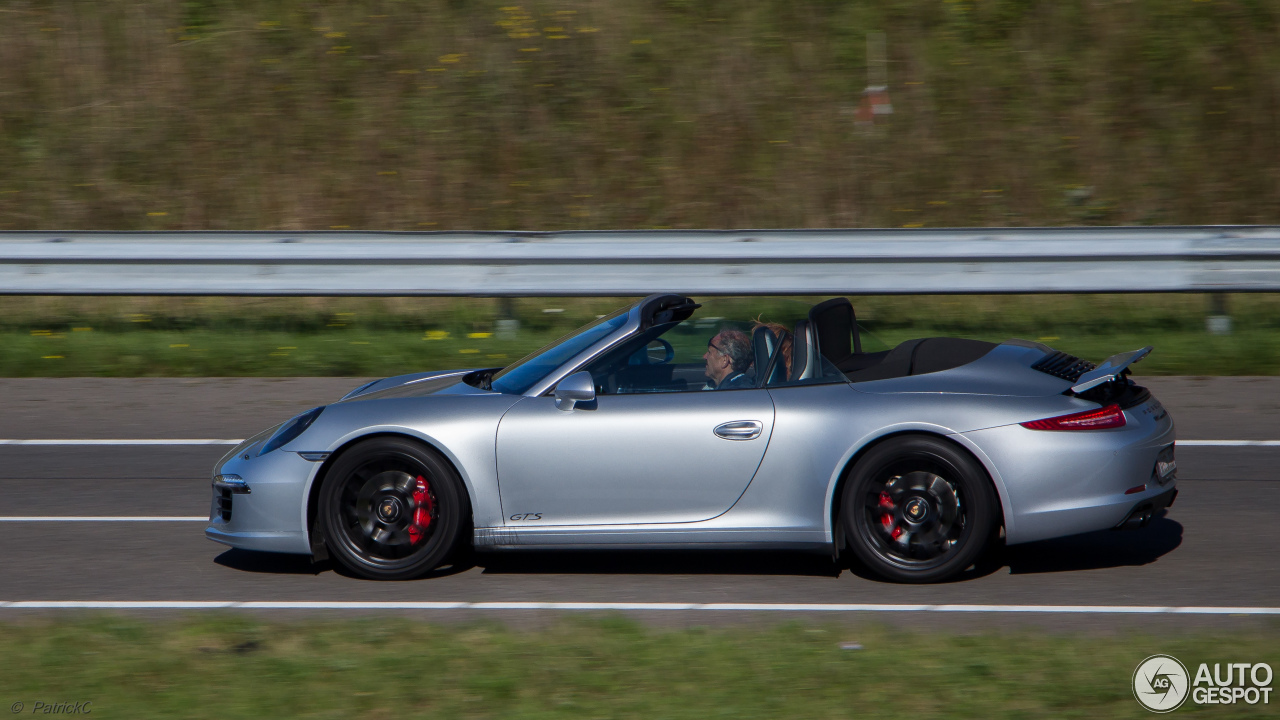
x=718, y=349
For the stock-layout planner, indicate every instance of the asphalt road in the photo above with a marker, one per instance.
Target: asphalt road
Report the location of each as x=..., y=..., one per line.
x=1215, y=547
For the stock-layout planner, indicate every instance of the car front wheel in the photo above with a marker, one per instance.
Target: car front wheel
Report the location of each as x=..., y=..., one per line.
x=918, y=509
x=392, y=509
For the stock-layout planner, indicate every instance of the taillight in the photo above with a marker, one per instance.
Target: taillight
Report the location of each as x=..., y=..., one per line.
x=1110, y=416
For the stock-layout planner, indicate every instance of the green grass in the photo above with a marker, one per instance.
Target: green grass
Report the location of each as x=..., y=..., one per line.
x=444, y=114
x=128, y=337
x=230, y=666
x=212, y=353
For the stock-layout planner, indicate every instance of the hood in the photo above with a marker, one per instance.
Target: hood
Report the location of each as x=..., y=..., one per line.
x=411, y=385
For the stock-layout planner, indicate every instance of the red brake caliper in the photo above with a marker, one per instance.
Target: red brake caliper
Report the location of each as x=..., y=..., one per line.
x=886, y=519
x=422, y=513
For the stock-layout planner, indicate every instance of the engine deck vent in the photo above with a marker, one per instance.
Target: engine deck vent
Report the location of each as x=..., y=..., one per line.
x=1062, y=365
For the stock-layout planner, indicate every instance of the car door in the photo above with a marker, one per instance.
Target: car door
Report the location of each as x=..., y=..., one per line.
x=669, y=457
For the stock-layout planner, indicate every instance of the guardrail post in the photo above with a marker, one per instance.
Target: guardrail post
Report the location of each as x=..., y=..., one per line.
x=1218, y=322
x=507, y=326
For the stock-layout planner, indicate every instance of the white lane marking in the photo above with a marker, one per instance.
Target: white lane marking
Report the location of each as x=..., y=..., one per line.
x=103, y=518
x=215, y=441
x=1228, y=443
x=124, y=441
x=628, y=606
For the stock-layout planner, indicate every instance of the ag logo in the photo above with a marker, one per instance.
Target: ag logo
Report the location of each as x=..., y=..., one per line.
x=1160, y=683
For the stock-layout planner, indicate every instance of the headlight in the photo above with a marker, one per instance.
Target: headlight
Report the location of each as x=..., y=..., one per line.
x=243, y=447
x=291, y=430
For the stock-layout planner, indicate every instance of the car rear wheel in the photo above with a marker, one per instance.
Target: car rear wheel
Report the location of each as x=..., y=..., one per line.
x=392, y=509
x=918, y=509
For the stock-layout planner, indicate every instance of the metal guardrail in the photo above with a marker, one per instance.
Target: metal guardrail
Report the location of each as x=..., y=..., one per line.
x=707, y=262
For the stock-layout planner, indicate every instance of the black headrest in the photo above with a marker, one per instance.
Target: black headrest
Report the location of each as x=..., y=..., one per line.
x=836, y=328
x=768, y=353
x=763, y=343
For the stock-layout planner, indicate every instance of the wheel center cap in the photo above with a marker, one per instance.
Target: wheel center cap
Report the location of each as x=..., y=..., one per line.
x=389, y=509
x=916, y=509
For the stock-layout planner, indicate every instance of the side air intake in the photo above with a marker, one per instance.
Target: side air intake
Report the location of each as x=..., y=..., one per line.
x=1062, y=365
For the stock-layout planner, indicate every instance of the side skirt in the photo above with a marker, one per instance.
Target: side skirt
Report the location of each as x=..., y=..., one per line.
x=647, y=538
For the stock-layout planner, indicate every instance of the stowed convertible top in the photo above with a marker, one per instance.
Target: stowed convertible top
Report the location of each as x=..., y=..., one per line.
x=915, y=357
x=836, y=331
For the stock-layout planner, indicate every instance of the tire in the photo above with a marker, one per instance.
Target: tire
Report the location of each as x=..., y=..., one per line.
x=917, y=509
x=392, y=509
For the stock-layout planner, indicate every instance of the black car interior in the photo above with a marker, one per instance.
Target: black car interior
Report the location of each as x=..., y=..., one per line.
x=831, y=333
x=826, y=347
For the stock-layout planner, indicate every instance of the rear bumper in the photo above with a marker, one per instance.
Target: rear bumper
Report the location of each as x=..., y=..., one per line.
x=1141, y=514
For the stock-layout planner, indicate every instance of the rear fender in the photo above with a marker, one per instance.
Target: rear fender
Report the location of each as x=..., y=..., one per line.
x=864, y=445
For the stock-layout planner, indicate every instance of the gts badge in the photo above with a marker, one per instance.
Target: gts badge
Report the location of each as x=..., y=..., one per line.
x=525, y=516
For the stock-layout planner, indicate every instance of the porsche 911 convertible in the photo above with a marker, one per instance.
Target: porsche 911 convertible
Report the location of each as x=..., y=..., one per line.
x=632, y=433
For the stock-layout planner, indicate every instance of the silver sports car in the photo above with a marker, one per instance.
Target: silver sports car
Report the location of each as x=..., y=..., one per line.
x=649, y=429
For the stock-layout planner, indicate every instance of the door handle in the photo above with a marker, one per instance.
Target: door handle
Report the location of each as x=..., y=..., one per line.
x=739, y=430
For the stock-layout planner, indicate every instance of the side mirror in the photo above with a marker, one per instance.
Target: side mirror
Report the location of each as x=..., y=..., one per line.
x=577, y=388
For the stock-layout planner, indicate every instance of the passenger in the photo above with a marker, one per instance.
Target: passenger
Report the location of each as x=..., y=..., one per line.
x=728, y=358
x=785, y=343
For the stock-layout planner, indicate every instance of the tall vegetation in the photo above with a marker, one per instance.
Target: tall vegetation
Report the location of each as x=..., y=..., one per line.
x=548, y=114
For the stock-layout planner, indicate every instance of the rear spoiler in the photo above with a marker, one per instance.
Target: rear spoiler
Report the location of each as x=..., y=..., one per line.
x=1110, y=369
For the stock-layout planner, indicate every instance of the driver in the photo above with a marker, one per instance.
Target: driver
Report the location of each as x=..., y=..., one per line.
x=728, y=358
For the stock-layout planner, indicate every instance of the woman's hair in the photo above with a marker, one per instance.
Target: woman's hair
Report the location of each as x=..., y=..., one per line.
x=785, y=342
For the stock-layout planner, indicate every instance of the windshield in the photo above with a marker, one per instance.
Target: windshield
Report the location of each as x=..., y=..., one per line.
x=518, y=378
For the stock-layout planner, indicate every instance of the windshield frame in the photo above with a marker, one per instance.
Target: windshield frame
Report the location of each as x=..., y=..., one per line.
x=549, y=380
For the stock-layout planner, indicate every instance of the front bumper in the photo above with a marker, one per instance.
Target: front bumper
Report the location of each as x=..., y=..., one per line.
x=260, y=503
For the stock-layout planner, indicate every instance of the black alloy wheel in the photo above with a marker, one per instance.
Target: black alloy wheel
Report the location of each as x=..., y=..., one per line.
x=918, y=509
x=392, y=509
